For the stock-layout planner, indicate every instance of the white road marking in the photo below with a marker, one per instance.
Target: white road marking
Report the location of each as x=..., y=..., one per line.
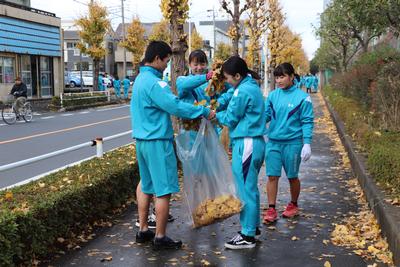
x=66, y=115
x=105, y=109
x=48, y=117
x=84, y=112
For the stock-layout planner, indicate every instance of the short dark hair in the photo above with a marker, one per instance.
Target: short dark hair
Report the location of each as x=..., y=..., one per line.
x=156, y=48
x=236, y=64
x=284, y=69
x=199, y=56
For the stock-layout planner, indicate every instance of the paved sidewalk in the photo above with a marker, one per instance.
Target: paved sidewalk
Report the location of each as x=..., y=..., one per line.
x=303, y=241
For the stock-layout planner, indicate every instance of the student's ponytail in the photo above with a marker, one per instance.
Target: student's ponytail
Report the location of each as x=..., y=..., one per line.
x=254, y=74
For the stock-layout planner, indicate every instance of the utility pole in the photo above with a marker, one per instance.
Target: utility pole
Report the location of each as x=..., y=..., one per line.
x=80, y=70
x=215, y=38
x=190, y=30
x=123, y=37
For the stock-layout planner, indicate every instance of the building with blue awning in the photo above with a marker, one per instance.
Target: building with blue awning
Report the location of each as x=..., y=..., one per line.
x=30, y=47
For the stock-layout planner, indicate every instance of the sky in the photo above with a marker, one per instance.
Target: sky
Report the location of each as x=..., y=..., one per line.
x=300, y=15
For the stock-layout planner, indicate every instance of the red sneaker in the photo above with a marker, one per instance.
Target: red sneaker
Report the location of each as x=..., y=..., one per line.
x=290, y=211
x=270, y=216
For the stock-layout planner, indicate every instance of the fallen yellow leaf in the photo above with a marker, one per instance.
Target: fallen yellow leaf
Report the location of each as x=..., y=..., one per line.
x=9, y=195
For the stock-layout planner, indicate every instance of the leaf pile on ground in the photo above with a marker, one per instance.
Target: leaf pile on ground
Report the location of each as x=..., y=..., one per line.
x=360, y=230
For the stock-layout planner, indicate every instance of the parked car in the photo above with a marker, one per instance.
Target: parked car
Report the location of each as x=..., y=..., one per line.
x=71, y=80
x=87, y=80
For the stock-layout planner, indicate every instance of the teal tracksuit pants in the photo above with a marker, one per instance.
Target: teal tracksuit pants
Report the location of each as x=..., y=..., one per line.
x=247, y=159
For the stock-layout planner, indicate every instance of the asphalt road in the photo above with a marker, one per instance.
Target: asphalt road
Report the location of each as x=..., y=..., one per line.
x=301, y=241
x=54, y=131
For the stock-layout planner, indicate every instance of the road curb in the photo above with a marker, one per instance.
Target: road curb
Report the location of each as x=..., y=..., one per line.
x=387, y=215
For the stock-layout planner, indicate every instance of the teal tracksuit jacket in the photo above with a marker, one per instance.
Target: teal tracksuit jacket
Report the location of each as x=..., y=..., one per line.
x=192, y=88
x=291, y=116
x=153, y=102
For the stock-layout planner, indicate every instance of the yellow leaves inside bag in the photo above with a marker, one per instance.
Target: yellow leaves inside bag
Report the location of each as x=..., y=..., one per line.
x=212, y=210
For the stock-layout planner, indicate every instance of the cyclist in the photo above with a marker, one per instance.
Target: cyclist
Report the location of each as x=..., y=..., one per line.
x=19, y=91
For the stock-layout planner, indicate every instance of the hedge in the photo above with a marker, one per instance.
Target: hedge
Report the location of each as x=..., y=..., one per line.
x=381, y=147
x=84, y=99
x=35, y=215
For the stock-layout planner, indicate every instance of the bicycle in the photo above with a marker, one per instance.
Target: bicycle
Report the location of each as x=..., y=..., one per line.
x=10, y=115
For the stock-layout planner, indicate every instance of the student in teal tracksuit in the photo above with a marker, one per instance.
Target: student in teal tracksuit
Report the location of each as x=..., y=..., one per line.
x=245, y=118
x=117, y=86
x=191, y=88
x=308, y=83
x=100, y=84
x=290, y=113
x=314, y=86
x=126, y=83
x=151, y=106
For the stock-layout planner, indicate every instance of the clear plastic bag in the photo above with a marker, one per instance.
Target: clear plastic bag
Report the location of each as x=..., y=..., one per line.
x=208, y=182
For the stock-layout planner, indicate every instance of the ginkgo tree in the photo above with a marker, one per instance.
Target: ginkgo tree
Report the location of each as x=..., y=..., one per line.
x=196, y=41
x=135, y=41
x=222, y=52
x=256, y=24
x=92, y=29
x=161, y=32
x=235, y=10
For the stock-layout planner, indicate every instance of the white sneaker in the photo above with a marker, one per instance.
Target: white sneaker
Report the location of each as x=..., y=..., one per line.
x=151, y=221
x=241, y=241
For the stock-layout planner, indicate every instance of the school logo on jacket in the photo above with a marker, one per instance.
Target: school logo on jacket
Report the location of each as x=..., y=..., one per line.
x=162, y=84
x=290, y=105
x=308, y=99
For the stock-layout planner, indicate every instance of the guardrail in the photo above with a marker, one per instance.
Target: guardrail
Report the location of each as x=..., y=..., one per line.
x=98, y=142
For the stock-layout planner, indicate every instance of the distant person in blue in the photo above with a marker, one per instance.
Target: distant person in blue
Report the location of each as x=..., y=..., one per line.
x=245, y=118
x=100, y=83
x=117, y=86
x=152, y=104
x=314, y=85
x=308, y=83
x=126, y=83
x=290, y=113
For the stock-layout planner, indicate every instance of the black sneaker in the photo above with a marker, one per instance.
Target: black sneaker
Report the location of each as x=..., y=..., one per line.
x=170, y=217
x=258, y=233
x=241, y=241
x=151, y=222
x=142, y=237
x=166, y=243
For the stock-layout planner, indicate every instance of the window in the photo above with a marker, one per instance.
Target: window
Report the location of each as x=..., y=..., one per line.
x=26, y=73
x=7, y=69
x=77, y=52
x=46, y=77
x=71, y=45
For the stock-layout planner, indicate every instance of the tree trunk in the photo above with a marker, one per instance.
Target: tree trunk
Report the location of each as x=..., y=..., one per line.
x=235, y=21
x=96, y=74
x=256, y=63
x=179, y=48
